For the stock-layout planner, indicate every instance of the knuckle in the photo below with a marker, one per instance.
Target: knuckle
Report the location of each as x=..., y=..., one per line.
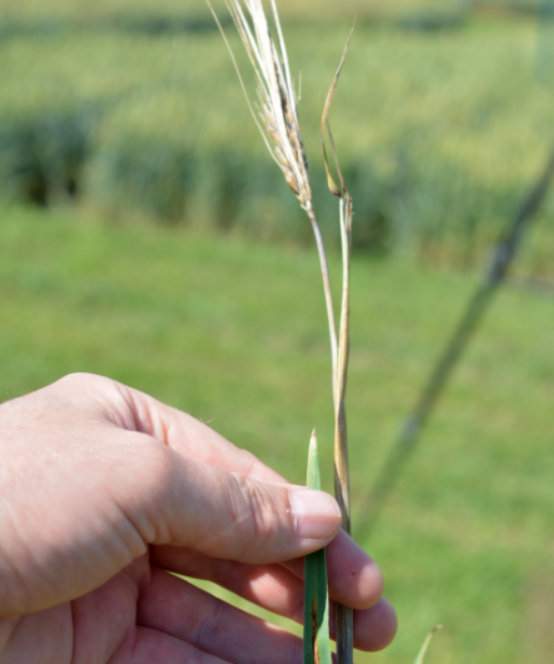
x=249, y=462
x=78, y=378
x=256, y=512
x=95, y=394
x=77, y=385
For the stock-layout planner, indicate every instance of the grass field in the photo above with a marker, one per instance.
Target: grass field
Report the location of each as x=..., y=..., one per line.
x=441, y=132
x=467, y=539
x=32, y=9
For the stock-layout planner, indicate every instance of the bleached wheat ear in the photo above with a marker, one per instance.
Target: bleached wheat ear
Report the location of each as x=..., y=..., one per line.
x=276, y=116
x=276, y=108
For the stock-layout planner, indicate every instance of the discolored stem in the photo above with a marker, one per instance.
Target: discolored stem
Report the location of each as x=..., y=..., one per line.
x=345, y=619
x=327, y=294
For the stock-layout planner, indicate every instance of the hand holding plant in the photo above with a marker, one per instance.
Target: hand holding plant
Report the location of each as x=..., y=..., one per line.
x=276, y=116
x=103, y=489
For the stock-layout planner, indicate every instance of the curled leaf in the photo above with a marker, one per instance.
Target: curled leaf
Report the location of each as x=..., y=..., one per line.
x=333, y=171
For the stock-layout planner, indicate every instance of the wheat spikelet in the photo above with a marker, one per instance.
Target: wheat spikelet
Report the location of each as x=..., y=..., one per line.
x=276, y=117
x=275, y=110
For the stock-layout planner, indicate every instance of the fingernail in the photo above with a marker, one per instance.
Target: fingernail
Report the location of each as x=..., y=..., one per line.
x=317, y=514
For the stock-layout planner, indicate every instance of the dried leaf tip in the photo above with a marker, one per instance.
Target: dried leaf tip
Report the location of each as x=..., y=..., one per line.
x=275, y=109
x=335, y=179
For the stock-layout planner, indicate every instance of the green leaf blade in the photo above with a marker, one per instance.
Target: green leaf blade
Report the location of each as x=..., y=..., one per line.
x=317, y=644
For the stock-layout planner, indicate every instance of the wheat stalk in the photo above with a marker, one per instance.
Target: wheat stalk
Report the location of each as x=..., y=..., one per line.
x=337, y=187
x=276, y=116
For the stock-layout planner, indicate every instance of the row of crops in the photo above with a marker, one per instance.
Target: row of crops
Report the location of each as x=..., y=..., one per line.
x=140, y=115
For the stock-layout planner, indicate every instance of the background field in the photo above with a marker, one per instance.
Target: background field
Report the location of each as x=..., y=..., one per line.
x=467, y=539
x=145, y=235
x=442, y=122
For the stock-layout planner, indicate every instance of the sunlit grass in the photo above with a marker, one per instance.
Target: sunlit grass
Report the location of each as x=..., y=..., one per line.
x=193, y=318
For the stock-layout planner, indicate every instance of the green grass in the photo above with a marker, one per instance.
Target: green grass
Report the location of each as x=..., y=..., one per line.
x=64, y=9
x=440, y=134
x=234, y=332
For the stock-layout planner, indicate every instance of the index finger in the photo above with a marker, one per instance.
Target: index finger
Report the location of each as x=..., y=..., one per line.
x=354, y=578
x=188, y=436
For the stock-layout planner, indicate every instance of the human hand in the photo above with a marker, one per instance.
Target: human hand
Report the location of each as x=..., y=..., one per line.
x=102, y=489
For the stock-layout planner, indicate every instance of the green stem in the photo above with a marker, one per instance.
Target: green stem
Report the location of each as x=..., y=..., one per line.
x=317, y=644
x=327, y=292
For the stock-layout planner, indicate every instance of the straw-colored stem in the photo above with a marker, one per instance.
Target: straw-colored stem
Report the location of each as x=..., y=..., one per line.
x=337, y=187
x=342, y=478
x=345, y=626
x=328, y=295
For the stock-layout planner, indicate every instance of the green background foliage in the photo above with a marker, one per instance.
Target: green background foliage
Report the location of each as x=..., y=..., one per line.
x=128, y=109
x=125, y=119
x=466, y=539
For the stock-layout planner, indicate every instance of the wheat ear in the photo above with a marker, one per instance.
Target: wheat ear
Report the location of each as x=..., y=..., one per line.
x=276, y=117
x=275, y=114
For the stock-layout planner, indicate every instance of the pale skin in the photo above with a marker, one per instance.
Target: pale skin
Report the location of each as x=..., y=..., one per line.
x=103, y=489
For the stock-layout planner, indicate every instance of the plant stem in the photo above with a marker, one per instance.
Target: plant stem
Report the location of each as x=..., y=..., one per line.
x=340, y=352
x=344, y=615
x=327, y=294
x=342, y=479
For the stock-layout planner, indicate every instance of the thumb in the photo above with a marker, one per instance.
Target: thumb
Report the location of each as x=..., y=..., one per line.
x=227, y=515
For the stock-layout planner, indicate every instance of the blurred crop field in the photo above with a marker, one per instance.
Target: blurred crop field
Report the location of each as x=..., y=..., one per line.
x=443, y=119
x=146, y=235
